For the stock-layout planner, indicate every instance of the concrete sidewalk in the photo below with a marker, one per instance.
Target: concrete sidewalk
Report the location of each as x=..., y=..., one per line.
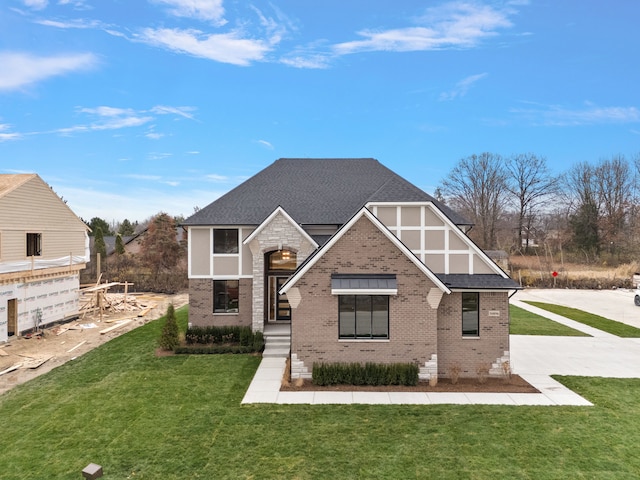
x=533, y=357
x=265, y=388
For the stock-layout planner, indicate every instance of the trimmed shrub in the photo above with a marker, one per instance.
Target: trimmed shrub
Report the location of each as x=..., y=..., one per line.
x=368, y=374
x=169, y=338
x=226, y=339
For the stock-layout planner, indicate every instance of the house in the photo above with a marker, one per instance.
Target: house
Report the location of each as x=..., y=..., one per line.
x=363, y=266
x=43, y=247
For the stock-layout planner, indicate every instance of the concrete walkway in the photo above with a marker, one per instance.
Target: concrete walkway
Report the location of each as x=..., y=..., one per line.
x=265, y=388
x=533, y=357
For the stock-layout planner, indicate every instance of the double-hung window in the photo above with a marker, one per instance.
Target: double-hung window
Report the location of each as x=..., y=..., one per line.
x=470, y=314
x=364, y=316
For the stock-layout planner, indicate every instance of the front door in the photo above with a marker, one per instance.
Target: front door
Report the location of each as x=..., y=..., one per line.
x=279, y=308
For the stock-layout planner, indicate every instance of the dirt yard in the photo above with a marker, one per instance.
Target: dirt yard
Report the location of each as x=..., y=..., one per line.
x=24, y=357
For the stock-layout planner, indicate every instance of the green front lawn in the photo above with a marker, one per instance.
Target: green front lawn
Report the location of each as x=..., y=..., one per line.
x=596, y=321
x=524, y=322
x=143, y=417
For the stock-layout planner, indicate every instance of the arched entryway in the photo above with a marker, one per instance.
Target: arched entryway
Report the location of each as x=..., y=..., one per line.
x=279, y=265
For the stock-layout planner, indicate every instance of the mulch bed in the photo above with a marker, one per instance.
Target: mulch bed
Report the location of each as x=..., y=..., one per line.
x=516, y=384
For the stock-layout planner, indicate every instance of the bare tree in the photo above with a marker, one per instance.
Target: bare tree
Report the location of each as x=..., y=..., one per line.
x=614, y=181
x=530, y=183
x=580, y=184
x=477, y=188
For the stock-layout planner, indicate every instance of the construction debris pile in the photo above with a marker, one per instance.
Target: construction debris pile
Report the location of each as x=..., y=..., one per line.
x=99, y=313
x=96, y=299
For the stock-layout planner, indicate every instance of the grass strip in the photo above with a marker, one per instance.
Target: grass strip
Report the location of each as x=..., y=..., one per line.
x=180, y=417
x=596, y=321
x=524, y=322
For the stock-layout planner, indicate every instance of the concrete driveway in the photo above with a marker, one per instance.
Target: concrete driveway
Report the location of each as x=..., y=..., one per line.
x=601, y=355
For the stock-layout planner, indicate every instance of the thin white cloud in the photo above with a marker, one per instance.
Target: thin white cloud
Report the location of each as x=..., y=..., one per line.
x=18, y=70
x=462, y=87
x=217, y=178
x=207, y=10
x=311, y=61
x=158, y=155
x=265, y=144
x=114, y=118
x=180, y=111
x=452, y=25
x=36, y=4
x=6, y=135
x=151, y=178
x=559, y=116
x=224, y=47
x=104, y=111
x=79, y=24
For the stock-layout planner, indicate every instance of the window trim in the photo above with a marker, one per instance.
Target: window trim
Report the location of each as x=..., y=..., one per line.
x=227, y=311
x=477, y=316
x=355, y=336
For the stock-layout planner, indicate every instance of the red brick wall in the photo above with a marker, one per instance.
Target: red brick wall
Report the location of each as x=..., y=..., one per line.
x=201, y=304
x=471, y=353
x=412, y=322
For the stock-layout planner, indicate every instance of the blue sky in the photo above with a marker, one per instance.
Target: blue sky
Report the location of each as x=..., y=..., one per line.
x=132, y=107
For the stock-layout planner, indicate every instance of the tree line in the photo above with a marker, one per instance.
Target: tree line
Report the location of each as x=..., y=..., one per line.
x=516, y=203
x=157, y=263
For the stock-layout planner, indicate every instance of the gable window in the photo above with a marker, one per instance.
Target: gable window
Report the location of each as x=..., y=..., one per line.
x=225, y=296
x=470, y=314
x=34, y=244
x=363, y=316
x=225, y=240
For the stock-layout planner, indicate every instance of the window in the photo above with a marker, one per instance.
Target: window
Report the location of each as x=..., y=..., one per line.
x=34, y=244
x=470, y=314
x=363, y=316
x=225, y=296
x=225, y=240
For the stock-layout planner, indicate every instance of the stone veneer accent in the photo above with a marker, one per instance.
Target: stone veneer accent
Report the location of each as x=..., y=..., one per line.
x=201, y=304
x=412, y=321
x=279, y=234
x=470, y=353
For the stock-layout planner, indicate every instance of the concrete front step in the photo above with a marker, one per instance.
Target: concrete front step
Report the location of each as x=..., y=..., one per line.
x=278, y=341
x=280, y=352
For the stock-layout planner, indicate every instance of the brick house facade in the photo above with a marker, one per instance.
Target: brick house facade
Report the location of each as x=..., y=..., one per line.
x=362, y=265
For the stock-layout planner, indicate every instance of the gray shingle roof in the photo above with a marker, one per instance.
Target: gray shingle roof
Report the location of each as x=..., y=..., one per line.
x=313, y=191
x=483, y=281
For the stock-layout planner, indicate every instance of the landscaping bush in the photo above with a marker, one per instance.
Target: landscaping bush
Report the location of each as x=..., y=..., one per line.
x=368, y=374
x=169, y=336
x=226, y=339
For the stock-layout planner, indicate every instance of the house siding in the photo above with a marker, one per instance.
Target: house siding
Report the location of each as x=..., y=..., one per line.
x=412, y=322
x=201, y=304
x=471, y=353
x=34, y=208
x=46, y=284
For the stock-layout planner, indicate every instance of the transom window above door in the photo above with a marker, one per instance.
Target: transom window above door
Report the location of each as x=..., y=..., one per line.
x=282, y=260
